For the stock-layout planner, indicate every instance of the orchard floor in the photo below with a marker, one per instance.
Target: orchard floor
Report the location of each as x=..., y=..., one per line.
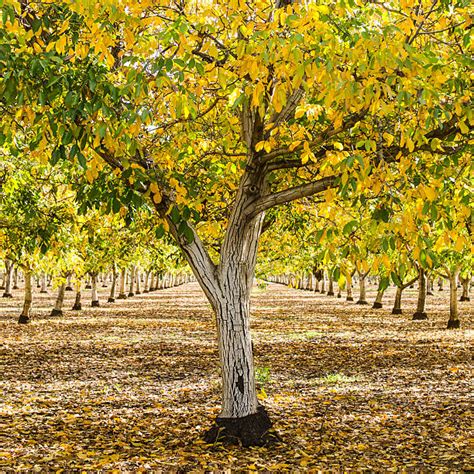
x=131, y=386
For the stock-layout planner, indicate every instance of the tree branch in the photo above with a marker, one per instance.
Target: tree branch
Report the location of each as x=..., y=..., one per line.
x=290, y=194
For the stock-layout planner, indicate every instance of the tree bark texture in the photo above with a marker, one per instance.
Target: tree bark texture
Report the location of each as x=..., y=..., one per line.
x=28, y=299
x=420, y=313
x=58, y=305
x=8, y=279
x=453, y=322
x=94, y=295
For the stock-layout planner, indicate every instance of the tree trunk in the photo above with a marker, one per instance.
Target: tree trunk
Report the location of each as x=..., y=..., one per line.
x=331, y=287
x=15, y=278
x=323, y=283
x=397, y=307
x=453, y=322
x=77, y=302
x=466, y=281
x=362, y=289
x=429, y=286
x=69, y=283
x=25, y=313
x=131, y=282
x=58, y=306
x=95, y=297
x=378, y=299
x=145, y=283
x=420, y=313
x=43, y=283
x=440, y=284
x=123, y=276
x=8, y=279
x=137, y=286
x=349, y=296
x=113, y=284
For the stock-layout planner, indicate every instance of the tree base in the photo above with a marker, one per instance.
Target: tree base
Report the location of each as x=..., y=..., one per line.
x=330, y=293
x=77, y=307
x=377, y=305
x=56, y=312
x=349, y=298
x=104, y=286
x=429, y=293
x=95, y=303
x=419, y=316
x=16, y=287
x=251, y=430
x=7, y=295
x=396, y=311
x=454, y=324
x=464, y=298
x=111, y=300
x=339, y=295
x=361, y=302
x=88, y=287
x=44, y=291
x=122, y=296
x=23, y=319
x=69, y=288
x=145, y=291
x=131, y=294
x=138, y=293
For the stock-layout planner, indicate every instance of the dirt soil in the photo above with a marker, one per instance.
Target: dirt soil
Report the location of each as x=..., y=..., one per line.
x=131, y=386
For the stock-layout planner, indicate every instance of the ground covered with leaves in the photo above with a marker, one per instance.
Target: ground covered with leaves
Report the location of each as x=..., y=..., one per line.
x=131, y=386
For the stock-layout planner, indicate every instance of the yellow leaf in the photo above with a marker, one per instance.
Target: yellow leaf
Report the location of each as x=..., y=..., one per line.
x=338, y=146
x=388, y=138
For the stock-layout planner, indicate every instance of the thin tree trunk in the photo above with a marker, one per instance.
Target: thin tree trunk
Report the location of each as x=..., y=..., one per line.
x=77, y=302
x=123, y=277
x=378, y=299
x=58, y=305
x=397, y=307
x=8, y=279
x=453, y=322
x=362, y=289
x=145, y=283
x=113, y=284
x=43, y=283
x=440, y=284
x=15, y=278
x=349, y=296
x=132, y=282
x=137, y=286
x=466, y=281
x=420, y=313
x=331, y=287
x=25, y=313
x=323, y=283
x=69, y=283
x=429, y=286
x=95, y=296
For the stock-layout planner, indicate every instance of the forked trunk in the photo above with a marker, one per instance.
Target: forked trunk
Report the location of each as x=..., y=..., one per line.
x=453, y=322
x=58, y=305
x=94, y=296
x=362, y=289
x=420, y=313
x=25, y=313
x=112, y=285
x=131, y=282
x=8, y=279
x=123, y=276
x=397, y=306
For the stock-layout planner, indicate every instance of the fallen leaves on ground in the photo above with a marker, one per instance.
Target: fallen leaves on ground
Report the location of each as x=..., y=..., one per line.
x=131, y=386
